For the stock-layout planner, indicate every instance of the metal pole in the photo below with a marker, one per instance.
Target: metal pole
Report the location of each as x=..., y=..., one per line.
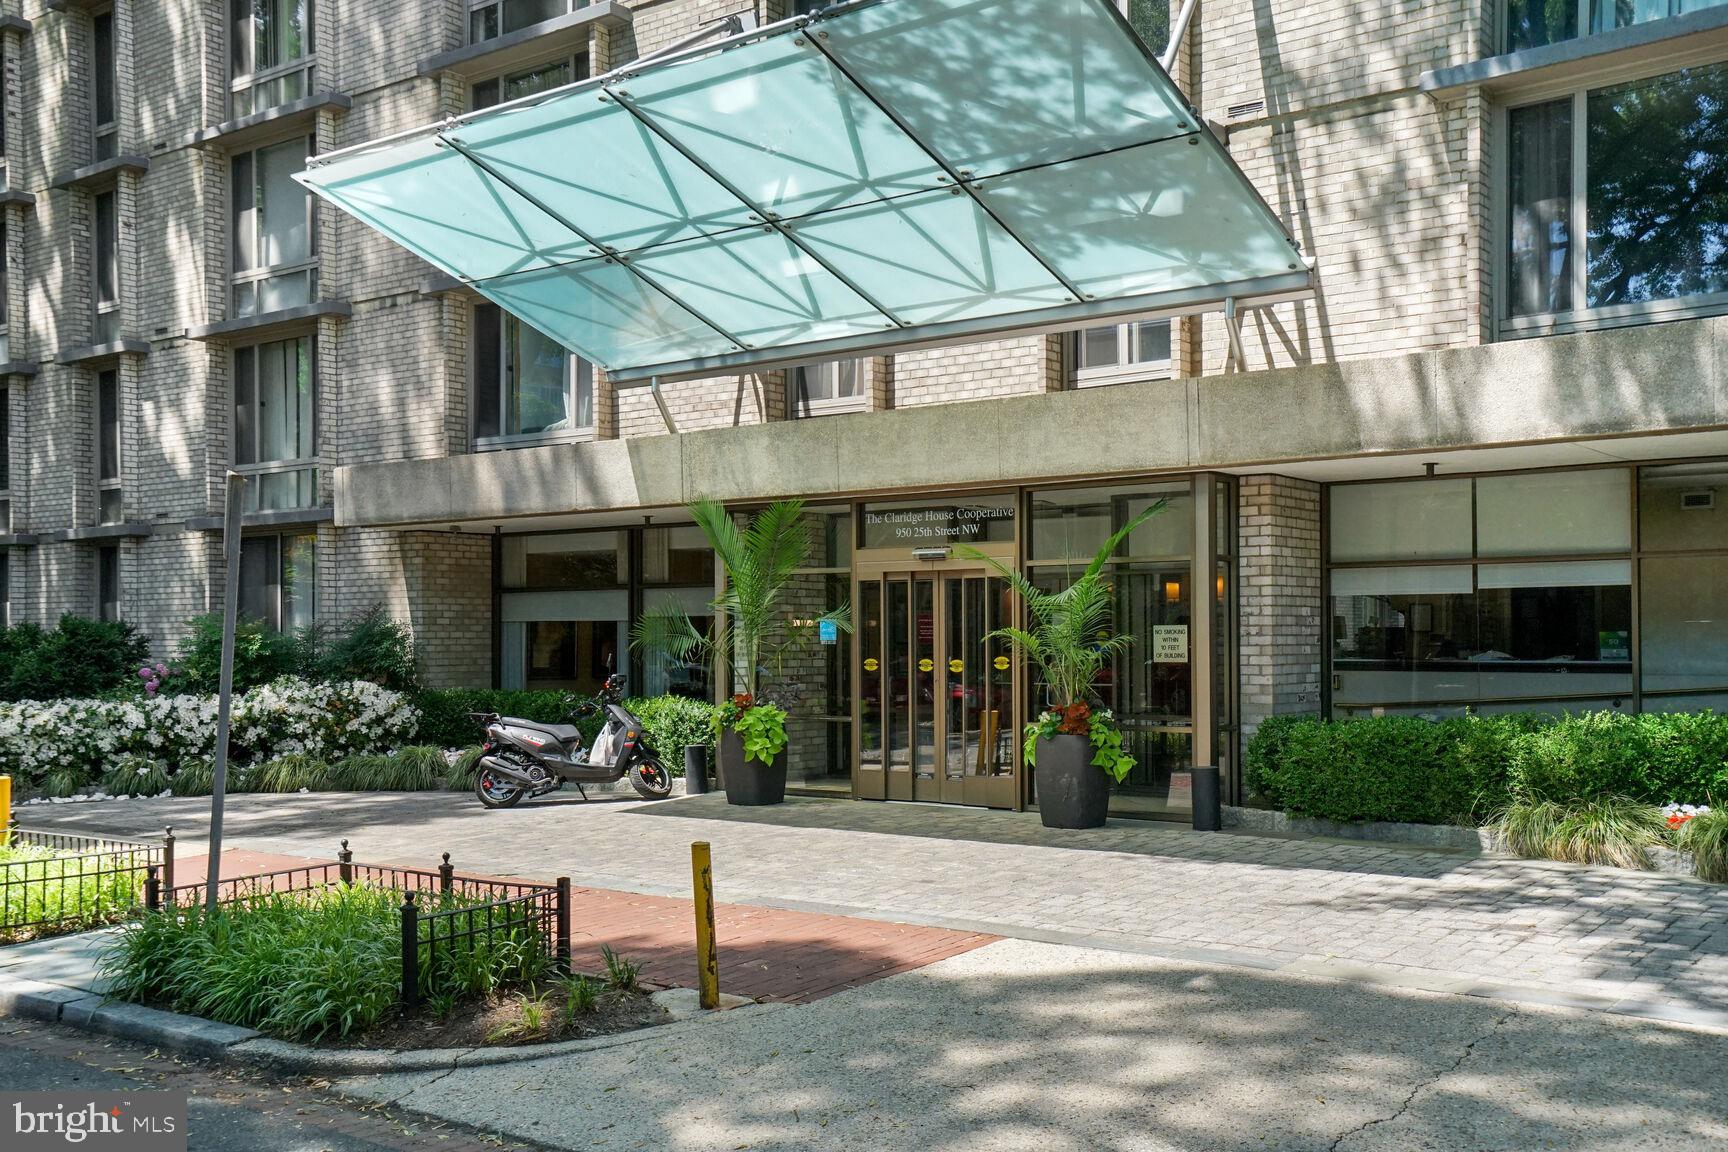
x=1177, y=31
x=236, y=491
x=5, y=801
x=562, y=944
x=707, y=957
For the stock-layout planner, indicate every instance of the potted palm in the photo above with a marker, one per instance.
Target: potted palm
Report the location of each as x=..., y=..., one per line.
x=752, y=637
x=1074, y=746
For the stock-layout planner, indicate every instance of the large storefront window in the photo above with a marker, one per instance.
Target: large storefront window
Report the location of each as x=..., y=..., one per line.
x=678, y=566
x=1683, y=586
x=565, y=610
x=1500, y=592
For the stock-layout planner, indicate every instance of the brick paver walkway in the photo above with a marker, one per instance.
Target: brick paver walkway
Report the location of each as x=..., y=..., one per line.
x=1607, y=935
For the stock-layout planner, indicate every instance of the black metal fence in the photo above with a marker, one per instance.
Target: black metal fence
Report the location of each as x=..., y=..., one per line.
x=451, y=922
x=67, y=882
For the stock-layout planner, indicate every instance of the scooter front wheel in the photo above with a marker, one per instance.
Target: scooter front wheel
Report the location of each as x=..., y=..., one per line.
x=495, y=791
x=650, y=778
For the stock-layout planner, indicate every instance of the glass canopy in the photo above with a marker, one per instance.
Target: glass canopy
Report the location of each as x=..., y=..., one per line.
x=884, y=174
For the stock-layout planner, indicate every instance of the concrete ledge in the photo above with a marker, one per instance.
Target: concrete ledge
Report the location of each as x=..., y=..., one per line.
x=18, y=368
x=19, y=540
x=266, y=323
x=84, y=353
x=189, y=1035
x=286, y=517
x=132, y=529
x=1446, y=836
x=500, y=52
x=242, y=129
x=15, y=24
x=35, y=1000
x=15, y=196
x=102, y=172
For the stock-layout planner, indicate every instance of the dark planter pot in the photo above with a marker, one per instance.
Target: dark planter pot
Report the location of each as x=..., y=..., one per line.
x=750, y=782
x=1071, y=792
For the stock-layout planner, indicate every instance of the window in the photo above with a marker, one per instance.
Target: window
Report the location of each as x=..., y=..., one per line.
x=275, y=423
x=1683, y=586
x=5, y=342
x=490, y=18
x=105, y=267
x=1137, y=350
x=5, y=590
x=526, y=384
x=108, y=582
x=275, y=266
x=110, y=507
x=271, y=54
x=531, y=81
x=1150, y=19
x=1503, y=591
x=1532, y=23
x=104, y=85
x=835, y=386
x=5, y=461
x=1628, y=172
x=279, y=580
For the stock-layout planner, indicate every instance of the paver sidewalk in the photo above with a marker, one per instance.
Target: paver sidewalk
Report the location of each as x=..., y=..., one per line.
x=1605, y=937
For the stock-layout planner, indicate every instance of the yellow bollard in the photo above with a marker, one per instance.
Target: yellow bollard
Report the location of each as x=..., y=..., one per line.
x=707, y=956
x=5, y=809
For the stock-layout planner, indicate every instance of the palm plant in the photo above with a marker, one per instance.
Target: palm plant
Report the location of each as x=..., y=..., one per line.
x=752, y=635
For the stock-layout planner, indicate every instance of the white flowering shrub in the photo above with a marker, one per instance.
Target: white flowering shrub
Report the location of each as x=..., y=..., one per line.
x=89, y=738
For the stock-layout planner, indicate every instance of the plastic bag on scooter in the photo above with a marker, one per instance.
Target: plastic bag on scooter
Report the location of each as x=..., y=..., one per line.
x=604, y=749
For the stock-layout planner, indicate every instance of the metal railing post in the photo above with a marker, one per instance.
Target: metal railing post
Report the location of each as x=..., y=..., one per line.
x=168, y=861
x=410, y=951
x=152, y=888
x=446, y=876
x=563, y=942
x=345, y=864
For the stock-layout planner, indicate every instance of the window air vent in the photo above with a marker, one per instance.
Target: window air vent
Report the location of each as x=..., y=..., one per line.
x=1698, y=501
x=1244, y=111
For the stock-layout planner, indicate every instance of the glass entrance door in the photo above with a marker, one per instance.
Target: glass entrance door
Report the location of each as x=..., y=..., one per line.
x=936, y=702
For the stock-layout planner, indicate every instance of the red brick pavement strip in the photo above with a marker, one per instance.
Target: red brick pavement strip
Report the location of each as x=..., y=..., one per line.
x=765, y=953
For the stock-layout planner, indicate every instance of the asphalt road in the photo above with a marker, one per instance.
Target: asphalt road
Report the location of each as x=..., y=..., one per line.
x=226, y=1112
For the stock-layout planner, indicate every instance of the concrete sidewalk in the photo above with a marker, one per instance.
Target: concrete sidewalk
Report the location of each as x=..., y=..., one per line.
x=1020, y=1045
x=1598, y=937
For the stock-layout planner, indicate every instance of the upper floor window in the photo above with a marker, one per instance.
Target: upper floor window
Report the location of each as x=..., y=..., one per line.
x=1612, y=211
x=1150, y=19
x=489, y=18
x=275, y=423
x=833, y=386
x=279, y=580
x=271, y=52
x=530, y=81
x=1533, y=23
x=5, y=343
x=104, y=86
x=110, y=504
x=525, y=383
x=108, y=582
x=275, y=265
x=105, y=266
x=1116, y=352
x=5, y=463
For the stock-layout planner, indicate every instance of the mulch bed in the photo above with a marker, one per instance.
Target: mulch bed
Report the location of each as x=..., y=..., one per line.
x=501, y=1021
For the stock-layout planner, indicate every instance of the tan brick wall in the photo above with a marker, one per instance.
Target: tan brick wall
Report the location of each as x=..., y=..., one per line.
x=1278, y=598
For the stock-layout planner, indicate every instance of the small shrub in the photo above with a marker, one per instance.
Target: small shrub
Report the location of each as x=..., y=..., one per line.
x=360, y=773
x=78, y=657
x=1706, y=837
x=367, y=646
x=1612, y=830
x=581, y=997
x=260, y=655
x=291, y=773
x=195, y=778
x=135, y=776
x=621, y=974
x=673, y=722
x=61, y=782
x=414, y=769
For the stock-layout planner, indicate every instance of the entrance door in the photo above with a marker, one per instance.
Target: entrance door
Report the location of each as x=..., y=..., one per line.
x=936, y=696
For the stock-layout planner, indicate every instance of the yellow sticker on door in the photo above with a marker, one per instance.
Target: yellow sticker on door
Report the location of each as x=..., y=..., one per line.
x=870, y=664
x=1001, y=663
x=926, y=665
x=956, y=666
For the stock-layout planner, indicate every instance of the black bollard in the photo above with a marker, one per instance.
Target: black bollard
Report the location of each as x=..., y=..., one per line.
x=1208, y=816
x=695, y=769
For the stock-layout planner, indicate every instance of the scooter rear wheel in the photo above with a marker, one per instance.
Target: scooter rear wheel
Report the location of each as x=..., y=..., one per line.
x=650, y=778
x=495, y=791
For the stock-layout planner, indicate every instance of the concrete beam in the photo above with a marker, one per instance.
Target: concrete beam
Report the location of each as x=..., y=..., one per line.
x=1629, y=381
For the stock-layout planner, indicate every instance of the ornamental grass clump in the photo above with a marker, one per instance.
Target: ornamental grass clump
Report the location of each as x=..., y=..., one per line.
x=1705, y=835
x=1612, y=830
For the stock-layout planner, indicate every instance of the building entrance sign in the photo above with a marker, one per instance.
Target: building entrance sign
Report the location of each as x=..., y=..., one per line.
x=884, y=174
x=909, y=526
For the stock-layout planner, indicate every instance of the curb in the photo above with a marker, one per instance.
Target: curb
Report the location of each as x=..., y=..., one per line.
x=227, y=1043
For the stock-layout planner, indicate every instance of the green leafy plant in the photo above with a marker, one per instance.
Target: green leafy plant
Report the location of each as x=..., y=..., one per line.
x=754, y=635
x=62, y=782
x=1070, y=637
x=581, y=997
x=368, y=645
x=1611, y=830
x=761, y=727
x=135, y=776
x=465, y=770
x=622, y=974
x=416, y=768
x=1706, y=837
x=363, y=772
x=77, y=657
x=291, y=773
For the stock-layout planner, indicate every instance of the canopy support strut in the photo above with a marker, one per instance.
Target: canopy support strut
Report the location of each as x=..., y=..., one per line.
x=1235, y=358
x=492, y=171
x=660, y=403
x=960, y=180
x=1178, y=29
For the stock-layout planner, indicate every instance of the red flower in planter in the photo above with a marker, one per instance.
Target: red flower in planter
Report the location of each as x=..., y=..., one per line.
x=1076, y=719
x=743, y=700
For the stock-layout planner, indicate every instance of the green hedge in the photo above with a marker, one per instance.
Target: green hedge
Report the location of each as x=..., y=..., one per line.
x=78, y=657
x=670, y=721
x=1462, y=770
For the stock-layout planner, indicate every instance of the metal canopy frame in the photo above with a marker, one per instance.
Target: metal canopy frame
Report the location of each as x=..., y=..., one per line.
x=684, y=266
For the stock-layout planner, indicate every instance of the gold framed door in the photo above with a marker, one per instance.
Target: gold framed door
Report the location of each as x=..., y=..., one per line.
x=937, y=707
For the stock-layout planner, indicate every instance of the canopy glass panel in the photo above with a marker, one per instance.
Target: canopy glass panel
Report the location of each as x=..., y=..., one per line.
x=886, y=173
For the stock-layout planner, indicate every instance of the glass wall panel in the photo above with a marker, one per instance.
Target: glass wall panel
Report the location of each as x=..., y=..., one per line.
x=1683, y=623
x=1554, y=629
x=937, y=521
x=1539, y=228
x=1073, y=523
x=1533, y=23
x=1415, y=520
x=568, y=560
x=1402, y=634
x=1683, y=507
x=1658, y=223
x=1550, y=513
